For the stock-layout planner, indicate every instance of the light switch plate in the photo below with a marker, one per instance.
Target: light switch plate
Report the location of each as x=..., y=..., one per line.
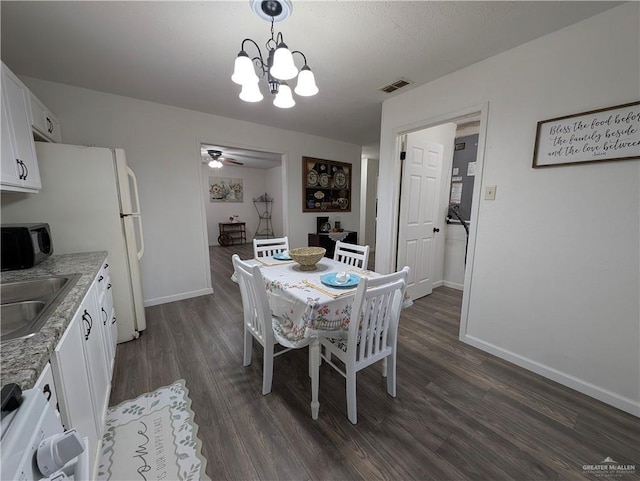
x=490, y=192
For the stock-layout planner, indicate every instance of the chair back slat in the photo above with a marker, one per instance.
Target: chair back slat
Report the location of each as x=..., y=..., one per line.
x=374, y=317
x=351, y=254
x=269, y=247
x=257, y=314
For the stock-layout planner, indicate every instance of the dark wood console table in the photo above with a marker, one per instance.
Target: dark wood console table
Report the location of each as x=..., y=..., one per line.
x=232, y=233
x=323, y=240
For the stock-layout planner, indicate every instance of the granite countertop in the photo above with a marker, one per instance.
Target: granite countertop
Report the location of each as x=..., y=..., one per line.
x=22, y=360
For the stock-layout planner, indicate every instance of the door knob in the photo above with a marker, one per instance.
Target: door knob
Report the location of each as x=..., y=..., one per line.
x=436, y=229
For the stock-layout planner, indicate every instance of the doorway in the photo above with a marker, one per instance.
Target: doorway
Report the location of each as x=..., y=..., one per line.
x=431, y=239
x=235, y=182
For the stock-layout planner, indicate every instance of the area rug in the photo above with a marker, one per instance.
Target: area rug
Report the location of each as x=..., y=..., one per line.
x=153, y=437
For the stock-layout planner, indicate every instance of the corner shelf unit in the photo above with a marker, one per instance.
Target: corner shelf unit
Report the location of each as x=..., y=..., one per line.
x=263, y=205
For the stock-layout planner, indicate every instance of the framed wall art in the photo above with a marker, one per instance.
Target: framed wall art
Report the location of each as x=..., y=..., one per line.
x=326, y=185
x=225, y=189
x=612, y=133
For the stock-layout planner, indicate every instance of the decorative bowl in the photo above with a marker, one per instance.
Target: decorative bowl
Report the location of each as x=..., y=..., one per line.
x=307, y=257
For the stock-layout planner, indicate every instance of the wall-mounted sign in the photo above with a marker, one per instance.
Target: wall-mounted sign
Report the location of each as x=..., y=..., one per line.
x=606, y=134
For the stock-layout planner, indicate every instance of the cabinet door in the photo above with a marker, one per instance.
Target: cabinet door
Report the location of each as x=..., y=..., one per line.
x=71, y=379
x=43, y=121
x=10, y=173
x=47, y=386
x=16, y=96
x=99, y=380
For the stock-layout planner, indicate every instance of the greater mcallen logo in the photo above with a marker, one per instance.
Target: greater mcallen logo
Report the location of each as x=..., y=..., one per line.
x=609, y=467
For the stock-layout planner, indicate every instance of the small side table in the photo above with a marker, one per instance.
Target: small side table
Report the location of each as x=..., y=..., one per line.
x=232, y=233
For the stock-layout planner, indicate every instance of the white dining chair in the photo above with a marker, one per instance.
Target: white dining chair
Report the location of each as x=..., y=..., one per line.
x=351, y=254
x=258, y=321
x=372, y=334
x=269, y=247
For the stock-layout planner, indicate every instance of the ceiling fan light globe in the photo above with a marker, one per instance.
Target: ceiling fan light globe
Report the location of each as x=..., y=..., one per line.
x=251, y=93
x=283, y=67
x=243, y=71
x=215, y=164
x=284, y=98
x=306, y=86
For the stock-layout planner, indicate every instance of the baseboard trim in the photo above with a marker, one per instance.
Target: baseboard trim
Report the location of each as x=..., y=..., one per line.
x=604, y=395
x=177, y=297
x=454, y=285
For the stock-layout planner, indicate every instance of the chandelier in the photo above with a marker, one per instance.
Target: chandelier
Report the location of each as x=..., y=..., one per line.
x=279, y=66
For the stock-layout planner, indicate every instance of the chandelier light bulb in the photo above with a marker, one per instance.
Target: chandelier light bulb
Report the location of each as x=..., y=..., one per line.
x=306, y=86
x=243, y=71
x=284, y=98
x=283, y=67
x=251, y=93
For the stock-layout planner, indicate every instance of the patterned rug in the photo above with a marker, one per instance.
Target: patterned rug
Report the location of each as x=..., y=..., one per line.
x=153, y=437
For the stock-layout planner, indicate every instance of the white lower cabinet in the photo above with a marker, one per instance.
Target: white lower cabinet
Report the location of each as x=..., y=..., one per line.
x=48, y=388
x=71, y=378
x=93, y=333
x=82, y=370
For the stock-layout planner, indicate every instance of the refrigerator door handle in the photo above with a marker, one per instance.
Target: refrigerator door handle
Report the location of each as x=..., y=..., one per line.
x=134, y=185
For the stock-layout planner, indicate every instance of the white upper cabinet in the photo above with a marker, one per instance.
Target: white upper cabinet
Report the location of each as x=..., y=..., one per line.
x=44, y=123
x=19, y=163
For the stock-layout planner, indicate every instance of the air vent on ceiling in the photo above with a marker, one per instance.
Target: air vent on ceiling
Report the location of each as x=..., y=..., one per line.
x=398, y=84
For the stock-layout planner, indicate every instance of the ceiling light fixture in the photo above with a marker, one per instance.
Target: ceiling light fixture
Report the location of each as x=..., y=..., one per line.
x=279, y=66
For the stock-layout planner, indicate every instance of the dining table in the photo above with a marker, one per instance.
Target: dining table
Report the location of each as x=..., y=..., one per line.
x=310, y=305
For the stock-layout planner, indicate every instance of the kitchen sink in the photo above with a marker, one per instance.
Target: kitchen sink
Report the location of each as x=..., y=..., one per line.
x=26, y=305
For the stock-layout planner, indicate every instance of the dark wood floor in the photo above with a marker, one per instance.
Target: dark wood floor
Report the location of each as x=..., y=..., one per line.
x=460, y=414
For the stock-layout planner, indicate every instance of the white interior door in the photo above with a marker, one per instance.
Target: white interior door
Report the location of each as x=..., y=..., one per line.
x=418, y=212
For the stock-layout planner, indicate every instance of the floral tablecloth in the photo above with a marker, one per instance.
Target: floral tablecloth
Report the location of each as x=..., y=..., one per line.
x=304, y=306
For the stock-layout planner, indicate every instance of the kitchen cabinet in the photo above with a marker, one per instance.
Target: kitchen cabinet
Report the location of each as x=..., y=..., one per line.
x=93, y=333
x=82, y=367
x=71, y=380
x=43, y=122
x=19, y=166
x=47, y=386
x=107, y=317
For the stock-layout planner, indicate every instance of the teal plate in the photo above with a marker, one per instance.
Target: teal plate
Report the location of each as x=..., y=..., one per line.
x=282, y=256
x=329, y=279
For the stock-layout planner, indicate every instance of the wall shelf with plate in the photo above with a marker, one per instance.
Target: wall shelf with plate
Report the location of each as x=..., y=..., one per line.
x=326, y=185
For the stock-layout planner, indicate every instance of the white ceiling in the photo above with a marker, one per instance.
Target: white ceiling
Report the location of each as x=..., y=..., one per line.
x=182, y=53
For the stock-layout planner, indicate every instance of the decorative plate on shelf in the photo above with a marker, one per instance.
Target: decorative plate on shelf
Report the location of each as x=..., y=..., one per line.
x=329, y=279
x=319, y=195
x=340, y=179
x=324, y=180
x=312, y=178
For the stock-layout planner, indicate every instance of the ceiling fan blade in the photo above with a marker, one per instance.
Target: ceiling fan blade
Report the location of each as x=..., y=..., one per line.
x=231, y=161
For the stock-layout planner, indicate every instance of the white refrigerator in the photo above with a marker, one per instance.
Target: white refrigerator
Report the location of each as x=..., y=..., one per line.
x=89, y=198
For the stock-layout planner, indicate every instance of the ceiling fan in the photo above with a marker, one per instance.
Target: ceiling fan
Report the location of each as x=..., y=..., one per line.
x=216, y=156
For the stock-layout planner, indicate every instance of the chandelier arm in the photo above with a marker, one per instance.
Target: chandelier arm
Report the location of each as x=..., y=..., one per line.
x=303, y=56
x=258, y=60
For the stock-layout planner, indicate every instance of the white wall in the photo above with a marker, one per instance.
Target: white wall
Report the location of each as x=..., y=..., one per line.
x=555, y=279
x=255, y=183
x=163, y=148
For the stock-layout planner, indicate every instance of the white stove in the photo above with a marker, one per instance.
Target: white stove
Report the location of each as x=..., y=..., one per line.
x=33, y=443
